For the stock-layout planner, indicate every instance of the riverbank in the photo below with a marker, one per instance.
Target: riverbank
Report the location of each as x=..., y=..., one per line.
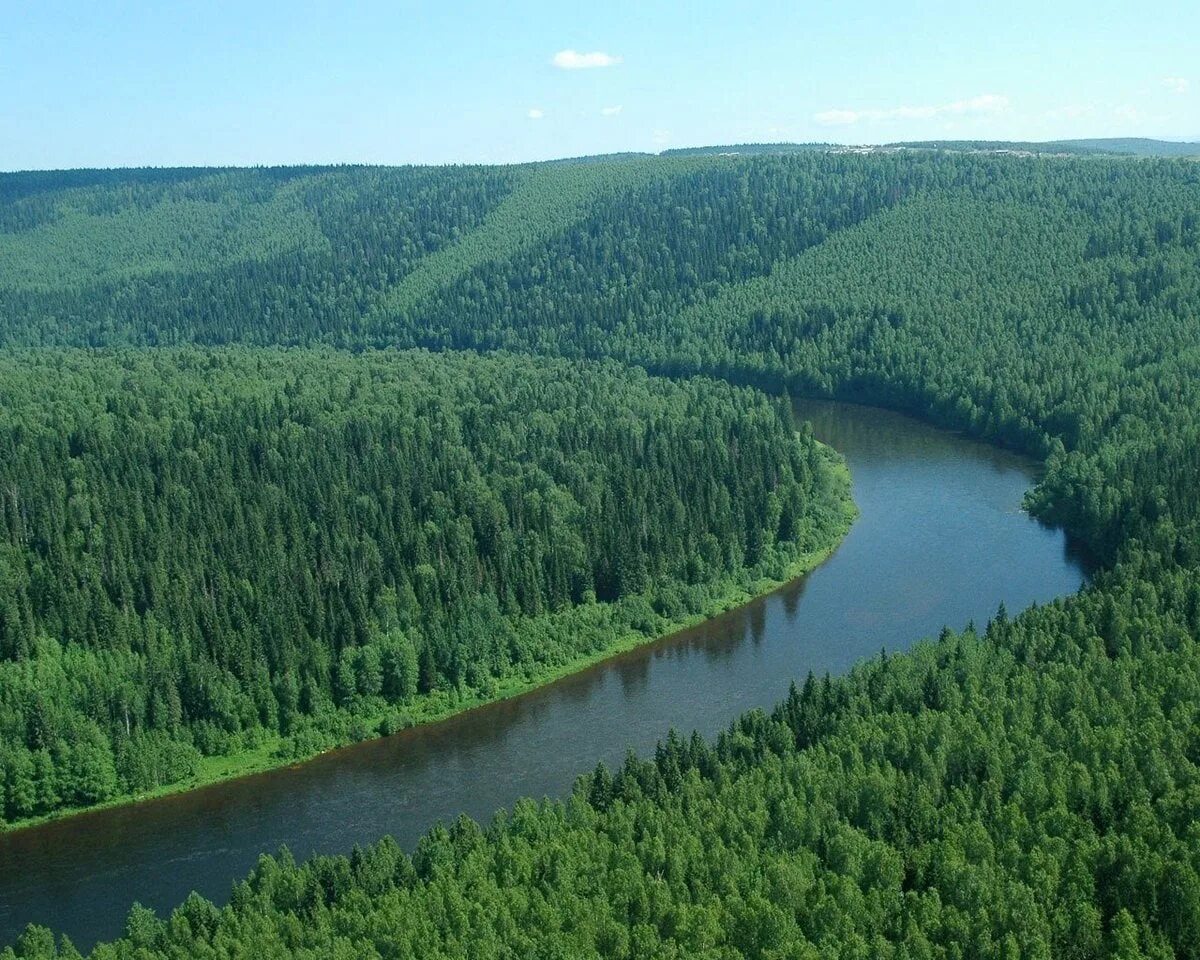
x=941, y=539
x=274, y=752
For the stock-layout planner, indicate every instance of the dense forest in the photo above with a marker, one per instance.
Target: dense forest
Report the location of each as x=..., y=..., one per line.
x=1027, y=790
x=205, y=551
x=1030, y=792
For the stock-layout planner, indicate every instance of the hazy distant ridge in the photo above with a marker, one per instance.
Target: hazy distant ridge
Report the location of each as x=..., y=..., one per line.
x=1120, y=146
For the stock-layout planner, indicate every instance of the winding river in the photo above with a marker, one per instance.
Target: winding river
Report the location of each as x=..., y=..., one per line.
x=941, y=540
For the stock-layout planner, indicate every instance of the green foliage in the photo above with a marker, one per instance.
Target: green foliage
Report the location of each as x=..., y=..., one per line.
x=996, y=796
x=200, y=548
x=270, y=255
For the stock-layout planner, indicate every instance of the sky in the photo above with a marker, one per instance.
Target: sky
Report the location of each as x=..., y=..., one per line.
x=175, y=82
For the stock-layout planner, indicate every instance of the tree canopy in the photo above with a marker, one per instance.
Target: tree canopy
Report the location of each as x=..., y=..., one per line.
x=205, y=551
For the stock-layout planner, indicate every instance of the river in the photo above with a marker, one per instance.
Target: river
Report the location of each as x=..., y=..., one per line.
x=941, y=540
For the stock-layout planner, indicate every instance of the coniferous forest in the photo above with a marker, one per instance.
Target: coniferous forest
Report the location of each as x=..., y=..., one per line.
x=209, y=551
x=295, y=456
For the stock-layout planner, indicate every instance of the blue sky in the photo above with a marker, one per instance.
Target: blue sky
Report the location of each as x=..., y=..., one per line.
x=86, y=83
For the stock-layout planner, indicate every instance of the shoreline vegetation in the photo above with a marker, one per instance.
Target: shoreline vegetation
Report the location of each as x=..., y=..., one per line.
x=221, y=552
x=734, y=592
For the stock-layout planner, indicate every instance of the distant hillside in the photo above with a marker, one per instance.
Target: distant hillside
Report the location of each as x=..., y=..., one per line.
x=747, y=149
x=1140, y=146
x=1128, y=146
x=1122, y=146
x=600, y=158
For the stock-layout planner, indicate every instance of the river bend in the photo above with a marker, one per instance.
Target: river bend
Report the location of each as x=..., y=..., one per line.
x=941, y=540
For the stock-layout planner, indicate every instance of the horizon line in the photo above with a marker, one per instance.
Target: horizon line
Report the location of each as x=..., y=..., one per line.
x=830, y=144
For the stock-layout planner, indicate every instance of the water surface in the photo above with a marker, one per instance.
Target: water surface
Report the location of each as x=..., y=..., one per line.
x=941, y=540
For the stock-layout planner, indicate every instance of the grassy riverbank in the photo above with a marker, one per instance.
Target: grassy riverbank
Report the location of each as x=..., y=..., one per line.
x=274, y=752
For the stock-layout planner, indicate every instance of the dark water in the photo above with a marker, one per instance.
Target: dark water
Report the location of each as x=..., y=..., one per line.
x=941, y=540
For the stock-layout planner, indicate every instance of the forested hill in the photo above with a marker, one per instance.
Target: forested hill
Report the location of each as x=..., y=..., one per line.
x=1030, y=790
x=1140, y=146
x=1073, y=282
x=1112, y=146
x=207, y=552
x=748, y=149
x=1119, y=146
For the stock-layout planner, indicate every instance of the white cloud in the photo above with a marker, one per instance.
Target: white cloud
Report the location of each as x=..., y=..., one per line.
x=574, y=60
x=1177, y=85
x=535, y=113
x=610, y=111
x=662, y=137
x=987, y=103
